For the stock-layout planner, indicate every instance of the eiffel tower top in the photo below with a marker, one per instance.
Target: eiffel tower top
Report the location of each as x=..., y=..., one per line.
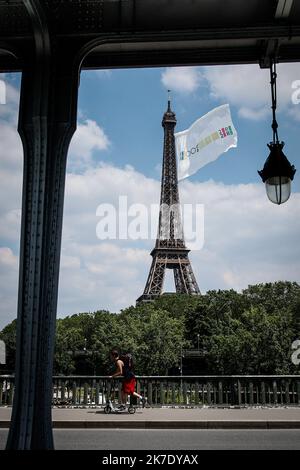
x=170, y=232
x=169, y=116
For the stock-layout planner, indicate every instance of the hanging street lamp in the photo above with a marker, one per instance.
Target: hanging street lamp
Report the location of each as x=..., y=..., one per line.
x=277, y=172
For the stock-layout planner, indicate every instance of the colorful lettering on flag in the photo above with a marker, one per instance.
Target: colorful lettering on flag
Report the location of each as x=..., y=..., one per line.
x=206, y=139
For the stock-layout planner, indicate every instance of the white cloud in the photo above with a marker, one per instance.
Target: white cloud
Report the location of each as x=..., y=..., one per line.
x=247, y=239
x=105, y=73
x=181, y=79
x=8, y=283
x=7, y=258
x=88, y=138
x=8, y=111
x=294, y=112
x=106, y=276
x=254, y=114
x=10, y=147
x=11, y=167
x=10, y=224
x=248, y=87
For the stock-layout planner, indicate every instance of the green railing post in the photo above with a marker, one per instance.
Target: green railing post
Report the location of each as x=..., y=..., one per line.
x=97, y=393
x=275, y=396
x=208, y=389
x=184, y=393
x=74, y=393
x=173, y=394
x=220, y=393
x=233, y=398
x=287, y=392
x=197, y=393
x=185, y=390
x=251, y=401
x=149, y=397
x=167, y=395
x=263, y=393
x=1, y=393
x=59, y=390
x=298, y=392
x=162, y=394
x=214, y=393
x=239, y=392
x=10, y=394
x=85, y=393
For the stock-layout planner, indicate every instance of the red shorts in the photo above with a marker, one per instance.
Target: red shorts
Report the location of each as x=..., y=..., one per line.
x=128, y=385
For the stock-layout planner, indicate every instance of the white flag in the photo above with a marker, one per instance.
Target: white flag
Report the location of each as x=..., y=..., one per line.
x=206, y=139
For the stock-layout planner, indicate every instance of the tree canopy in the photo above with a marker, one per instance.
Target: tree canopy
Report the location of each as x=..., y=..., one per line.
x=237, y=333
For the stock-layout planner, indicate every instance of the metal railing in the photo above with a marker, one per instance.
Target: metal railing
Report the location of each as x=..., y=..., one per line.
x=193, y=391
x=7, y=383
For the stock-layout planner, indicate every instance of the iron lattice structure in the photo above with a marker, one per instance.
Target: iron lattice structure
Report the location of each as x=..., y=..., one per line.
x=170, y=251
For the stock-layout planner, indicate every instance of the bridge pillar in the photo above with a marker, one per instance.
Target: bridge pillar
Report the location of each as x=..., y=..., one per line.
x=47, y=121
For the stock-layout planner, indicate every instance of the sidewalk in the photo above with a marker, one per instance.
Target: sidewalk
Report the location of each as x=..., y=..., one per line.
x=172, y=418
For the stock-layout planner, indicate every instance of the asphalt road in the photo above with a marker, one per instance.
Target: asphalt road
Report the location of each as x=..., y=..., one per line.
x=99, y=439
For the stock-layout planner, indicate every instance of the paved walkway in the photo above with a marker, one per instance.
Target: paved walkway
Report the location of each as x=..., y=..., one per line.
x=172, y=418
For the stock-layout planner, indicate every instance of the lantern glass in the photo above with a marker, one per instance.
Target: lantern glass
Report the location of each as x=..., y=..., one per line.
x=278, y=189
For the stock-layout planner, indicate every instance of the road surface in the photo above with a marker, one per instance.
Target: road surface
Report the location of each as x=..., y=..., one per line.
x=99, y=439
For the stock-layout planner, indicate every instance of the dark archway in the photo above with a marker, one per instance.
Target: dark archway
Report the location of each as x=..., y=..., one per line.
x=49, y=42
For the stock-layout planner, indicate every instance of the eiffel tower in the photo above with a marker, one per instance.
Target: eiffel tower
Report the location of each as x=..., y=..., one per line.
x=170, y=251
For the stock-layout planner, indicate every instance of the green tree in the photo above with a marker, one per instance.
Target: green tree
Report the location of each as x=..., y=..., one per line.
x=157, y=339
x=239, y=333
x=8, y=335
x=67, y=341
x=273, y=296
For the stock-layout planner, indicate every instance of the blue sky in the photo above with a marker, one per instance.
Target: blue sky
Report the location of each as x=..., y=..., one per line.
x=117, y=150
x=129, y=105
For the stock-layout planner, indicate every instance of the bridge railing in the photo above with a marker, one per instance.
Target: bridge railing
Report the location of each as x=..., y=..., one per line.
x=223, y=391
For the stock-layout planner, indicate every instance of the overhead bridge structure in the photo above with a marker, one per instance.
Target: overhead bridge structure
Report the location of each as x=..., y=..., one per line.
x=50, y=41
